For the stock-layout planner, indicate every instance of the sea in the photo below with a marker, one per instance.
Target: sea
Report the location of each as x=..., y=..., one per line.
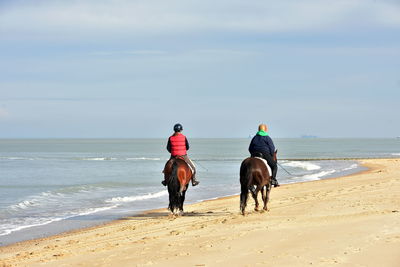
x=49, y=186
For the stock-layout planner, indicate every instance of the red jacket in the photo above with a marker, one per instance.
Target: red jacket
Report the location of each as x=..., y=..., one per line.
x=178, y=145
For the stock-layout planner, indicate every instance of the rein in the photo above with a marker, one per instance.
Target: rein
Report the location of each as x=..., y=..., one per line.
x=284, y=169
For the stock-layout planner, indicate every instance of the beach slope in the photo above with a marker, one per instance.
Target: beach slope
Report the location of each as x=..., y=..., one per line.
x=347, y=221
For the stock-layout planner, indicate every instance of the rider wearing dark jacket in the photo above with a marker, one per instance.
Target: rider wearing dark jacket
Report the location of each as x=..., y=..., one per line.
x=262, y=145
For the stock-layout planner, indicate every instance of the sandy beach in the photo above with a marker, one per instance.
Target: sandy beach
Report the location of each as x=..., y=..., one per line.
x=346, y=221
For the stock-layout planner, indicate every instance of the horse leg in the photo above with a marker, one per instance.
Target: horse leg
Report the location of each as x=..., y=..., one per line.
x=263, y=196
x=243, y=198
x=255, y=196
x=268, y=189
x=171, y=205
x=176, y=203
x=182, y=199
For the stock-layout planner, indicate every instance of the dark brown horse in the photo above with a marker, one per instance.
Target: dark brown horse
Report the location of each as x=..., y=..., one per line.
x=177, y=174
x=255, y=176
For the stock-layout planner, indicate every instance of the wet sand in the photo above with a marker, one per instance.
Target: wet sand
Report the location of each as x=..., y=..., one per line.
x=346, y=221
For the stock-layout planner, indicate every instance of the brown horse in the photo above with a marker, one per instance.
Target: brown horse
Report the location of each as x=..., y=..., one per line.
x=178, y=175
x=255, y=176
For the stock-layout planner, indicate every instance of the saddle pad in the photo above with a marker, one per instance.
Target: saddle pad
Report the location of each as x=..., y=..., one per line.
x=190, y=167
x=266, y=163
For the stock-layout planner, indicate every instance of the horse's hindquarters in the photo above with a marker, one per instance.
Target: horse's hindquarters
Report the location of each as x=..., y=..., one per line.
x=177, y=186
x=254, y=172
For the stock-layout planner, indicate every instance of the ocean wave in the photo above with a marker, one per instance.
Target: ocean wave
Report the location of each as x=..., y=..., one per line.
x=302, y=164
x=395, y=154
x=217, y=159
x=143, y=158
x=53, y=197
x=353, y=166
x=98, y=158
x=317, y=176
x=34, y=201
x=24, y=205
x=7, y=228
x=94, y=210
x=17, y=158
x=137, y=198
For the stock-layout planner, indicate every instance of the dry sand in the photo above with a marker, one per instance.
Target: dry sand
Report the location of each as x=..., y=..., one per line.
x=347, y=221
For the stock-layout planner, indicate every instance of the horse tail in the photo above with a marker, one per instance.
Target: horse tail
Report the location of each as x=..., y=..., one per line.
x=245, y=179
x=175, y=172
x=174, y=189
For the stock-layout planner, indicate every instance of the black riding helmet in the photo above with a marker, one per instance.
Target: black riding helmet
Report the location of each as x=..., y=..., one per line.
x=178, y=127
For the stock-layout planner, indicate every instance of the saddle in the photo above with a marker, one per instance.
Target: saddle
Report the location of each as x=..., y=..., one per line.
x=189, y=165
x=178, y=157
x=259, y=156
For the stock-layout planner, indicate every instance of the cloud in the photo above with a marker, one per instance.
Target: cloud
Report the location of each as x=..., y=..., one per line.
x=158, y=17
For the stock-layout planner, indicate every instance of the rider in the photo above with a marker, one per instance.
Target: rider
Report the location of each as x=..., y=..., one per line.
x=262, y=144
x=178, y=146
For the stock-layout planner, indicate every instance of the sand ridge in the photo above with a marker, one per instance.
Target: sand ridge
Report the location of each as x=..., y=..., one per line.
x=347, y=221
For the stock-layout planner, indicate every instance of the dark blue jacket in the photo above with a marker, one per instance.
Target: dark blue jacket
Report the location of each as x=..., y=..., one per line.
x=262, y=144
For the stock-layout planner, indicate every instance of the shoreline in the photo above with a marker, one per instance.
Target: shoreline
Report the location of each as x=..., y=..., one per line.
x=72, y=225
x=216, y=225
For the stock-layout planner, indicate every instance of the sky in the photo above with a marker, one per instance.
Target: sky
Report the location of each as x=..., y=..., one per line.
x=132, y=69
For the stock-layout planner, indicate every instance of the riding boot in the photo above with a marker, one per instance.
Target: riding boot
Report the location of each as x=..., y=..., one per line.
x=165, y=181
x=194, y=181
x=275, y=182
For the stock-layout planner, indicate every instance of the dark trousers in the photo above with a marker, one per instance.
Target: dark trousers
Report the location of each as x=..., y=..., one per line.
x=270, y=160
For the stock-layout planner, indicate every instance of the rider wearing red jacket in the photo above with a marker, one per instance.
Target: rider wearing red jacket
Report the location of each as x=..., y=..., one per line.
x=178, y=146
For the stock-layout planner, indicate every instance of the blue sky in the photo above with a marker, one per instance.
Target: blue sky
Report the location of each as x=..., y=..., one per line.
x=123, y=68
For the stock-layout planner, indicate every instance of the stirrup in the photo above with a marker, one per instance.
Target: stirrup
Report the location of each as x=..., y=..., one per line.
x=194, y=183
x=164, y=183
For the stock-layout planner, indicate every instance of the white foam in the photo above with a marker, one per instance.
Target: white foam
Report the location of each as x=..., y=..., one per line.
x=303, y=165
x=395, y=154
x=46, y=198
x=94, y=210
x=42, y=198
x=8, y=228
x=353, y=166
x=137, y=198
x=317, y=176
x=16, y=158
x=24, y=205
x=99, y=158
x=143, y=158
